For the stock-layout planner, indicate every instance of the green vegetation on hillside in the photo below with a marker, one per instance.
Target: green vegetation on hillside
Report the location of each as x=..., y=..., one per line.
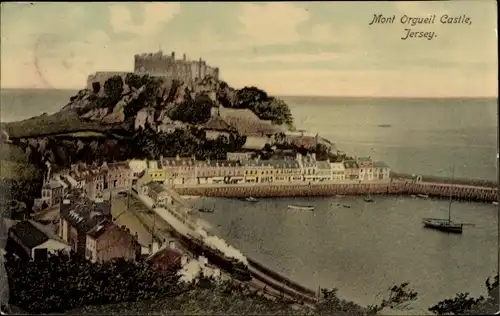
x=120, y=286
x=57, y=123
x=185, y=143
x=264, y=106
x=195, y=111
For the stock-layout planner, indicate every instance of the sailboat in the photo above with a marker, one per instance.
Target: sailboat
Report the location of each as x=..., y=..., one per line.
x=445, y=224
x=369, y=198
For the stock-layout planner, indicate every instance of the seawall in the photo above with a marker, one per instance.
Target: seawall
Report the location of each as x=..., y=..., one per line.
x=393, y=187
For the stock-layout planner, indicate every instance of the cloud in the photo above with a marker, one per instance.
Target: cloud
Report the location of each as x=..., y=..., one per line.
x=156, y=14
x=286, y=48
x=272, y=23
x=293, y=58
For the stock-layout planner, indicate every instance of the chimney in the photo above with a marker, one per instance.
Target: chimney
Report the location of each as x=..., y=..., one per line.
x=313, y=155
x=184, y=57
x=173, y=55
x=156, y=246
x=136, y=236
x=171, y=244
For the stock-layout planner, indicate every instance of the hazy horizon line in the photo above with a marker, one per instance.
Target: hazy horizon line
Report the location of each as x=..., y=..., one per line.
x=303, y=95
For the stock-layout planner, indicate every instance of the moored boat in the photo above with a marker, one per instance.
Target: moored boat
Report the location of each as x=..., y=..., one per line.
x=369, y=199
x=423, y=196
x=251, y=199
x=444, y=225
x=495, y=203
x=301, y=207
x=206, y=210
x=346, y=206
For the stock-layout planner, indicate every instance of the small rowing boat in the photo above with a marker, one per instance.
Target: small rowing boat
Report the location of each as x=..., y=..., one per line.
x=301, y=207
x=423, y=196
x=205, y=210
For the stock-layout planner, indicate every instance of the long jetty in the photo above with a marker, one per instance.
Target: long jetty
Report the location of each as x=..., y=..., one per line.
x=399, y=184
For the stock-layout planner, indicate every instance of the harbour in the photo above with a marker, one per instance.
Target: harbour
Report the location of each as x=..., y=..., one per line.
x=330, y=246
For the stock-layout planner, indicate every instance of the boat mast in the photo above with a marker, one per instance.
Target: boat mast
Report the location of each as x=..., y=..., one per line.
x=451, y=191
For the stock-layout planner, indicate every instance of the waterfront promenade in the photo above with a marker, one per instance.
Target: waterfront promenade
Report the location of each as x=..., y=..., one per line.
x=396, y=186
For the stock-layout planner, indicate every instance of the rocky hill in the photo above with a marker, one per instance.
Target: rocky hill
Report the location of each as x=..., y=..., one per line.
x=123, y=106
x=141, y=116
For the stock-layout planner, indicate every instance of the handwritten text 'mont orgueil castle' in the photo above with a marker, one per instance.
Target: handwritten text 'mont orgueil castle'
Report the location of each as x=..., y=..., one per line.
x=411, y=22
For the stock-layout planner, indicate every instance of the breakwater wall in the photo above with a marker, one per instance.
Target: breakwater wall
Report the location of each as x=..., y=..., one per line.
x=444, y=180
x=393, y=187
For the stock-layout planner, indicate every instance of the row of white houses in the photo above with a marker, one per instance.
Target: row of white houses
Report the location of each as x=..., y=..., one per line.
x=306, y=168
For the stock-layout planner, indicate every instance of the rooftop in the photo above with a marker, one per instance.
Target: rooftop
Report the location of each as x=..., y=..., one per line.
x=323, y=165
x=272, y=163
x=101, y=228
x=83, y=213
x=246, y=122
x=156, y=187
x=350, y=164
x=216, y=123
x=380, y=164
x=218, y=163
x=33, y=234
x=177, y=161
x=52, y=184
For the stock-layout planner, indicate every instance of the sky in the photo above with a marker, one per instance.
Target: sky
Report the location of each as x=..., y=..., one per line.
x=285, y=48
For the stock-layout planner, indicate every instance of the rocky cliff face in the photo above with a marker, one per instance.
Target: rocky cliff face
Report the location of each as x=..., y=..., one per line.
x=150, y=102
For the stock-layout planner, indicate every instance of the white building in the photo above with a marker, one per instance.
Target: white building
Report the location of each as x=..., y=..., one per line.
x=381, y=171
x=136, y=167
x=323, y=171
x=308, y=166
x=36, y=241
x=338, y=171
x=219, y=171
x=366, y=168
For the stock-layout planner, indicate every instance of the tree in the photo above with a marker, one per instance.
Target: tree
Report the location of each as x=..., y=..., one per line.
x=67, y=282
x=248, y=97
x=113, y=87
x=459, y=305
x=195, y=111
x=331, y=304
x=133, y=81
x=399, y=297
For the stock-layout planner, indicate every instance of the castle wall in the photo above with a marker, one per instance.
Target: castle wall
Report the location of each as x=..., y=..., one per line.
x=166, y=65
x=161, y=65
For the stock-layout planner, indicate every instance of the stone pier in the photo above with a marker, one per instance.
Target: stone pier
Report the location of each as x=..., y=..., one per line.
x=393, y=187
